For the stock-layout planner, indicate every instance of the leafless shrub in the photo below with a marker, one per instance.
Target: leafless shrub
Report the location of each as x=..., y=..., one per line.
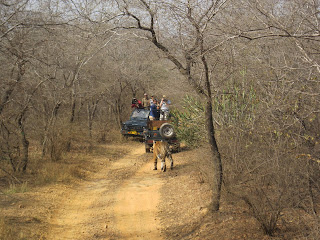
x=263, y=167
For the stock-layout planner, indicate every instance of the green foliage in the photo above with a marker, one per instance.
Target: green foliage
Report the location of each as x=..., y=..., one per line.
x=236, y=105
x=17, y=188
x=190, y=123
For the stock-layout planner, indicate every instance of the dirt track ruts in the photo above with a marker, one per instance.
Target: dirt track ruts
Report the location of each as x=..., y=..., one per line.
x=118, y=202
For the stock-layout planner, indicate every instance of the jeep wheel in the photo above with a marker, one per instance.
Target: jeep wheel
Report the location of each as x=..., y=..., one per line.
x=166, y=131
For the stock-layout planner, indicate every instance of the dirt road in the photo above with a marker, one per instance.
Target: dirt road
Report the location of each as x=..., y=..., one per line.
x=121, y=197
x=118, y=202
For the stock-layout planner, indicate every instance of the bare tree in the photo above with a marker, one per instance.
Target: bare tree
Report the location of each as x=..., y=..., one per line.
x=187, y=26
x=282, y=59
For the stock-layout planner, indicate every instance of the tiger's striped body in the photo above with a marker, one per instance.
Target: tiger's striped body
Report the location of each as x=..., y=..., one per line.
x=161, y=151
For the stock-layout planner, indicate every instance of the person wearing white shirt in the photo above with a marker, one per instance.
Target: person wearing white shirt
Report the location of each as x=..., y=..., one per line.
x=164, y=108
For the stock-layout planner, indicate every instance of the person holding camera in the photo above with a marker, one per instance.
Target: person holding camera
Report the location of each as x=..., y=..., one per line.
x=135, y=103
x=164, y=108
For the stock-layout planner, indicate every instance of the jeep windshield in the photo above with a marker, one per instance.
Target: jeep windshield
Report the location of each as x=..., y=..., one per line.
x=140, y=114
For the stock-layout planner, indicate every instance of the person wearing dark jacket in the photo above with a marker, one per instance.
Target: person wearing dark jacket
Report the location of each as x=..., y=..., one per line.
x=154, y=111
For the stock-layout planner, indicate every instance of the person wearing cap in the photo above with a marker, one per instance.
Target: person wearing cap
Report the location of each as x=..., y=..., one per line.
x=151, y=100
x=154, y=113
x=164, y=108
x=146, y=101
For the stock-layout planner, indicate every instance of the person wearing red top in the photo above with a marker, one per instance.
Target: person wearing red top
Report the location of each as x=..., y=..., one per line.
x=136, y=103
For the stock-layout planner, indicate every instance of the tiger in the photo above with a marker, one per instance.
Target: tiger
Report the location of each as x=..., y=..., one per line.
x=161, y=150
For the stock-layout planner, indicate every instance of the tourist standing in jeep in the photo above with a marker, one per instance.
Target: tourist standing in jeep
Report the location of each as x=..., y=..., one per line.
x=135, y=103
x=154, y=111
x=146, y=101
x=164, y=108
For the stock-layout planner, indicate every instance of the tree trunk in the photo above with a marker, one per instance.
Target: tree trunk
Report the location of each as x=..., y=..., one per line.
x=5, y=97
x=91, y=111
x=25, y=144
x=186, y=72
x=48, y=128
x=216, y=157
x=72, y=115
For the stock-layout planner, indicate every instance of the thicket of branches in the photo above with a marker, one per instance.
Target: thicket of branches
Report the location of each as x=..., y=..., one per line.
x=64, y=79
x=70, y=68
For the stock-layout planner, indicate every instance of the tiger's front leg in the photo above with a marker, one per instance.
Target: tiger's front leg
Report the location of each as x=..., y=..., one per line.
x=155, y=158
x=171, y=161
x=169, y=155
x=163, y=162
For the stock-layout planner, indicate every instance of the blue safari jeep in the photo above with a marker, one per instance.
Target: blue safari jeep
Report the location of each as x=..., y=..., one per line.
x=137, y=123
x=141, y=127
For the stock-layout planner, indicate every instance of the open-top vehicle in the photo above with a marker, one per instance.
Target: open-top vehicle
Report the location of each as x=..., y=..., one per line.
x=141, y=127
x=137, y=123
x=160, y=130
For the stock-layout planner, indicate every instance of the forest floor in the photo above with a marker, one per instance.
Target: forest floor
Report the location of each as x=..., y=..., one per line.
x=123, y=198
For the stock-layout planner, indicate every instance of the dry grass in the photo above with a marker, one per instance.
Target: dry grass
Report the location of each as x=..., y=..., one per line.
x=6, y=231
x=43, y=173
x=186, y=208
x=17, y=188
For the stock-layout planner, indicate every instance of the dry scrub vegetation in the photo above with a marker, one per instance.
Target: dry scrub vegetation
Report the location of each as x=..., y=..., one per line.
x=243, y=75
x=22, y=192
x=187, y=212
x=265, y=177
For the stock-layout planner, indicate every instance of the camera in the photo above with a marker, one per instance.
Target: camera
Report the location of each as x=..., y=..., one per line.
x=134, y=101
